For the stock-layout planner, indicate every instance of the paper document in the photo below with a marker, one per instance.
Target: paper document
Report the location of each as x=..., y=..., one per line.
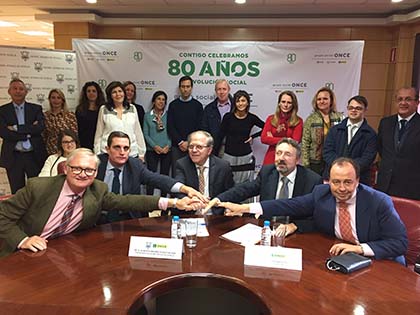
x=245, y=235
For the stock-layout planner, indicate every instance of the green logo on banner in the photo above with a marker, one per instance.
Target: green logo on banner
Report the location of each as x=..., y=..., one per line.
x=138, y=56
x=291, y=58
x=102, y=83
x=330, y=85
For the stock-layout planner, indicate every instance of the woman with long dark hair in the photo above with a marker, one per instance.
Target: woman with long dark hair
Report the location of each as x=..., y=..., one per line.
x=131, y=94
x=91, y=98
x=119, y=115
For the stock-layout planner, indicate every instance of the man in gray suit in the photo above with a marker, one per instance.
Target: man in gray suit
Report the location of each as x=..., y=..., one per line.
x=203, y=171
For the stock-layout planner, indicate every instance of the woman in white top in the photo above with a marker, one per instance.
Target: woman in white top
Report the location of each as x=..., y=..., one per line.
x=119, y=115
x=67, y=141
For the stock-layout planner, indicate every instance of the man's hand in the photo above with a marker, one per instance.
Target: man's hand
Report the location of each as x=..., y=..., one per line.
x=212, y=203
x=189, y=204
x=191, y=192
x=183, y=146
x=234, y=209
x=34, y=243
x=342, y=248
x=290, y=229
x=249, y=140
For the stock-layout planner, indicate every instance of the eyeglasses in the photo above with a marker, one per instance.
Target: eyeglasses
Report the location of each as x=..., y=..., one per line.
x=68, y=142
x=406, y=99
x=78, y=170
x=358, y=108
x=197, y=147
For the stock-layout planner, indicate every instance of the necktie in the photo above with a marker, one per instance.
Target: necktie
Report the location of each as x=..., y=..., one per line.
x=284, y=191
x=116, y=185
x=345, y=223
x=403, y=128
x=65, y=220
x=201, y=183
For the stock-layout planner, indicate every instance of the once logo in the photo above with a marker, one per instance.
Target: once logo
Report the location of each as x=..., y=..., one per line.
x=40, y=98
x=24, y=55
x=291, y=58
x=14, y=75
x=69, y=58
x=71, y=88
x=60, y=78
x=38, y=66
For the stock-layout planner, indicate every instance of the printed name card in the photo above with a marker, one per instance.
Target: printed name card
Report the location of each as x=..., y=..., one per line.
x=273, y=257
x=155, y=247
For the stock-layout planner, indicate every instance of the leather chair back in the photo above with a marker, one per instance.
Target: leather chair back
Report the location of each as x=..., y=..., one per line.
x=409, y=211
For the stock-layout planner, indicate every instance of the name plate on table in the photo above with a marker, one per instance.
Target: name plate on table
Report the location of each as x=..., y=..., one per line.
x=273, y=257
x=155, y=247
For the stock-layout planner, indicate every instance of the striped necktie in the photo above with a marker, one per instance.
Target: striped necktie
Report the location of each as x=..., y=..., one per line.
x=345, y=223
x=59, y=230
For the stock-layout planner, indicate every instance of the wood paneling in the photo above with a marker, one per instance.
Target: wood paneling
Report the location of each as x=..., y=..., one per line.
x=372, y=33
x=243, y=33
x=175, y=33
x=377, y=51
x=118, y=32
x=314, y=33
x=374, y=76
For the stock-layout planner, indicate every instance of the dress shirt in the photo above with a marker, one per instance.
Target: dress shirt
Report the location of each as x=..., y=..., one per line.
x=109, y=176
x=350, y=131
x=223, y=108
x=20, y=114
x=206, y=176
x=351, y=206
x=291, y=185
x=60, y=207
x=408, y=119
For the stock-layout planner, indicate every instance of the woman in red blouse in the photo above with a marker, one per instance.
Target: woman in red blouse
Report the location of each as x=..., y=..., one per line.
x=285, y=123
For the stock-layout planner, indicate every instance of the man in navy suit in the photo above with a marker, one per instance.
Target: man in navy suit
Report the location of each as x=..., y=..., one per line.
x=21, y=123
x=399, y=147
x=353, y=138
x=216, y=174
x=131, y=174
x=365, y=218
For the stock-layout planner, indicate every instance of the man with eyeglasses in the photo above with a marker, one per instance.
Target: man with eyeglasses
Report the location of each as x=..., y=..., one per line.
x=363, y=218
x=49, y=207
x=184, y=116
x=399, y=147
x=352, y=138
x=203, y=171
x=125, y=175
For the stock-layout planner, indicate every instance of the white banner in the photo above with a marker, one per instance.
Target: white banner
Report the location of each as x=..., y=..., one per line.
x=263, y=69
x=41, y=70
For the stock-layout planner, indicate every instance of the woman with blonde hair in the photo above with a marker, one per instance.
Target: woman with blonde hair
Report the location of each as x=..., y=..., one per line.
x=285, y=123
x=57, y=118
x=316, y=127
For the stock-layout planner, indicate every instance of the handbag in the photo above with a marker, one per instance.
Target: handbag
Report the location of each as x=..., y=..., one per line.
x=348, y=262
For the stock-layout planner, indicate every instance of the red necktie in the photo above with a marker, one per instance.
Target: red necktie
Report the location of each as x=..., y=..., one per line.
x=345, y=223
x=59, y=230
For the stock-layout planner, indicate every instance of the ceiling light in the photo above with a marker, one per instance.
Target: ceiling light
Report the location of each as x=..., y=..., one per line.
x=7, y=24
x=91, y=1
x=34, y=33
x=396, y=1
x=240, y=1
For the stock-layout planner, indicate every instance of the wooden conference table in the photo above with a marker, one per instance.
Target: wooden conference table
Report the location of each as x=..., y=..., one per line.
x=90, y=273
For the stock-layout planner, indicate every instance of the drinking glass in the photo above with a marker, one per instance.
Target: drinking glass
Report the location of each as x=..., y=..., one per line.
x=191, y=226
x=279, y=224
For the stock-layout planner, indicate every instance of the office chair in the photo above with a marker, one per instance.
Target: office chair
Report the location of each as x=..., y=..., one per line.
x=409, y=211
x=198, y=293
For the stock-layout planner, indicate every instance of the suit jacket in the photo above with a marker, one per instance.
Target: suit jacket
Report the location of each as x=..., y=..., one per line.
x=212, y=119
x=377, y=222
x=362, y=148
x=265, y=185
x=135, y=174
x=399, y=169
x=27, y=212
x=33, y=113
x=220, y=176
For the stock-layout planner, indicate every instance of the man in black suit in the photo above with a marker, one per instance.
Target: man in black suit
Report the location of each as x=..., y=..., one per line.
x=399, y=147
x=202, y=170
x=21, y=124
x=269, y=183
x=124, y=175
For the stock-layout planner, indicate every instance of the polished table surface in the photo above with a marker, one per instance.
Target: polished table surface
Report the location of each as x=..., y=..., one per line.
x=90, y=273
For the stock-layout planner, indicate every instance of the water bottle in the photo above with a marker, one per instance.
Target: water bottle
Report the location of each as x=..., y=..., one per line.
x=266, y=234
x=175, y=227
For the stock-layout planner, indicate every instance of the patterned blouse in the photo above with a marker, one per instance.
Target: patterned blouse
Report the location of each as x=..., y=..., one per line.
x=54, y=123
